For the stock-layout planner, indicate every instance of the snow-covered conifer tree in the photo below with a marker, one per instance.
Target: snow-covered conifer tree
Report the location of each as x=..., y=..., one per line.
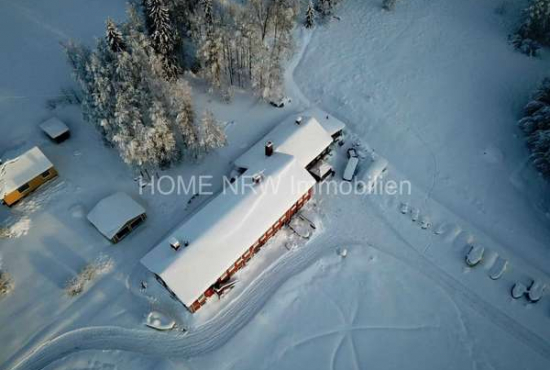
x=183, y=117
x=310, y=15
x=212, y=59
x=114, y=37
x=208, y=14
x=160, y=141
x=211, y=134
x=163, y=35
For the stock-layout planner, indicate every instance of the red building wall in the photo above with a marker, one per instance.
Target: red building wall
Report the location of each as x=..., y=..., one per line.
x=255, y=248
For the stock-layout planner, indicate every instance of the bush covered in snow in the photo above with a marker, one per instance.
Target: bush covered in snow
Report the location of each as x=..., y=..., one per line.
x=76, y=285
x=536, y=126
x=535, y=29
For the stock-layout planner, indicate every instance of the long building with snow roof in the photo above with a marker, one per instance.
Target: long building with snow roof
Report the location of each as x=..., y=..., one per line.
x=205, y=251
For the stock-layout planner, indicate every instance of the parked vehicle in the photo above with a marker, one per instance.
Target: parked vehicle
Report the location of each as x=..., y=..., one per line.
x=498, y=268
x=281, y=103
x=475, y=255
x=351, y=168
x=518, y=290
x=535, y=291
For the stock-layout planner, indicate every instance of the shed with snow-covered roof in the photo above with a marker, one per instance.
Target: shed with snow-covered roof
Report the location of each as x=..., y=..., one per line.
x=116, y=216
x=22, y=175
x=55, y=129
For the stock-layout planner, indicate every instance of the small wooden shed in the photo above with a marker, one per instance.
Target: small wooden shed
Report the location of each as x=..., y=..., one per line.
x=22, y=175
x=117, y=216
x=55, y=129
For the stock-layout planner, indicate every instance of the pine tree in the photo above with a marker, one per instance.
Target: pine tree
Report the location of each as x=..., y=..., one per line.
x=183, y=118
x=212, y=135
x=114, y=37
x=310, y=16
x=160, y=141
x=212, y=59
x=208, y=14
x=164, y=37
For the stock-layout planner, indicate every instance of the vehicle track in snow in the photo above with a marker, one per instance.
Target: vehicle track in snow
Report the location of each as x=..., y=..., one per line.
x=203, y=339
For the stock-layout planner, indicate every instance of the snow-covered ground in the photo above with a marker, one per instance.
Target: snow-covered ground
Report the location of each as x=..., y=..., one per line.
x=433, y=87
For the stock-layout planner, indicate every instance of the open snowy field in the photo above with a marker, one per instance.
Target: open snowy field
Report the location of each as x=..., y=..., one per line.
x=433, y=87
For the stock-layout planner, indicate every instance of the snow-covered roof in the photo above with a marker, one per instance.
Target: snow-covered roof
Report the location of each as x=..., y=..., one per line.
x=18, y=171
x=331, y=124
x=227, y=226
x=54, y=127
x=113, y=212
x=305, y=141
x=320, y=169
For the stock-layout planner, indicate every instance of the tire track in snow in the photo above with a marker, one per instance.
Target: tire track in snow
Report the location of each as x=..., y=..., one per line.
x=291, y=85
x=205, y=338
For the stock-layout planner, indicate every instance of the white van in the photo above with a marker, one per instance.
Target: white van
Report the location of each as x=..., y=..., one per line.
x=351, y=168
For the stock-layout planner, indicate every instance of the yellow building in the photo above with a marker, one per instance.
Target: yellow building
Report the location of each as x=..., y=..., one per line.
x=22, y=175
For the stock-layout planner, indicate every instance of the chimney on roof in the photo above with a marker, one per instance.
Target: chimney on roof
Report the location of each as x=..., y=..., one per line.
x=299, y=120
x=175, y=244
x=269, y=149
x=257, y=178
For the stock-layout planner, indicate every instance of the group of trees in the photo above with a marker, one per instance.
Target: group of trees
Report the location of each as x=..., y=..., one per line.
x=243, y=45
x=534, y=31
x=132, y=94
x=132, y=79
x=323, y=9
x=536, y=126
